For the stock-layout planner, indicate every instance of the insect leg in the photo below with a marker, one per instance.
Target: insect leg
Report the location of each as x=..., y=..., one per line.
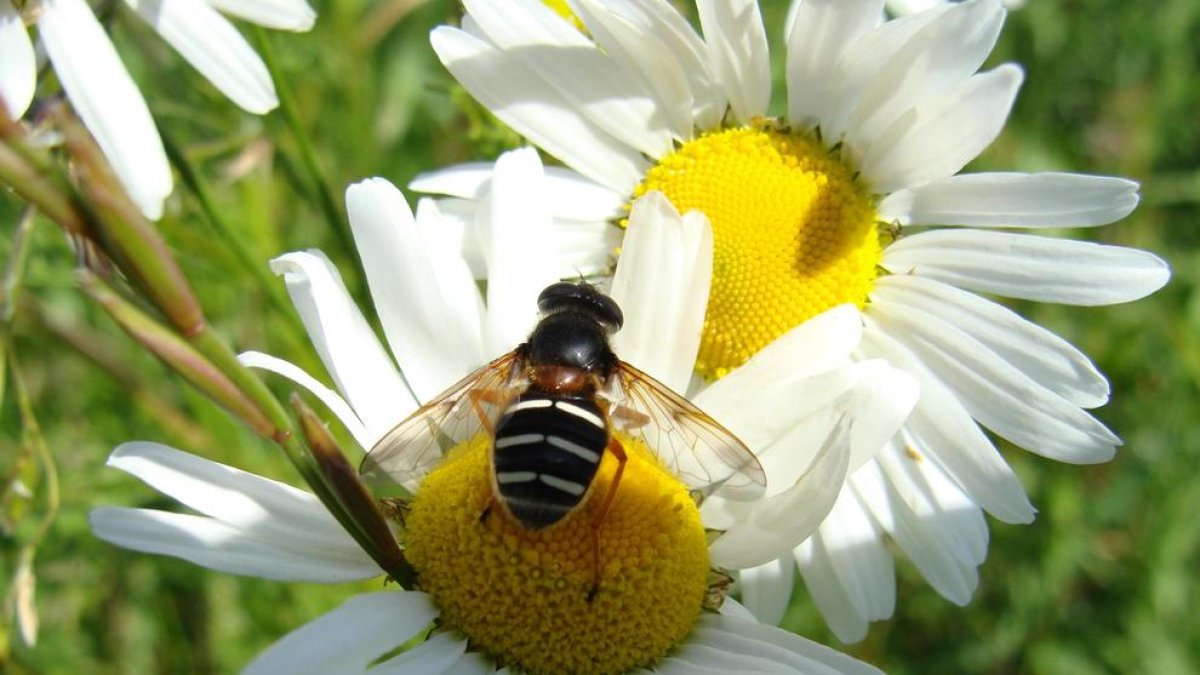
x=478, y=398
x=487, y=510
x=618, y=451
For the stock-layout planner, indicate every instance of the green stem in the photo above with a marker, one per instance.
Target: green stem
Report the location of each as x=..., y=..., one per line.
x=257, y=268
x=325, y=196
x=179, y=354
x=39, y=190
x=32, y=431
x=13, y=278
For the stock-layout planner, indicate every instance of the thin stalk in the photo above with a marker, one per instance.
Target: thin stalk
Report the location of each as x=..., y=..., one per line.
x=126, y=235
x=14, y=276
x=99, y=350
x=325, y=195
x=33, y=435
x=372, y=531
x=40, y=190
x=257, y=268
x=178, y=354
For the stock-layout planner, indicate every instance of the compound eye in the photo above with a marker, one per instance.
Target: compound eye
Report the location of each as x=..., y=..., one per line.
x=557, y=295
x=581, y=297
x=610, y=313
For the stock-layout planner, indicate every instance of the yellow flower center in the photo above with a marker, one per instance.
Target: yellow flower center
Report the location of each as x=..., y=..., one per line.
x=794, y=233
x=521, y=596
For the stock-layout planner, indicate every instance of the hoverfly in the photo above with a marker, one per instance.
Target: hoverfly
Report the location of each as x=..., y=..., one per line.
x=551, y=406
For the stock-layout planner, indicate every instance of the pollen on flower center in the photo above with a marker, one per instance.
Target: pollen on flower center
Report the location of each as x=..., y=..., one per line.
x=793, y=233
x=521, y=596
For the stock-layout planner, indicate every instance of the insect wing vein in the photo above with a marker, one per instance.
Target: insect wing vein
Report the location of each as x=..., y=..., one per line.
x=412, y=448
x=702, y=453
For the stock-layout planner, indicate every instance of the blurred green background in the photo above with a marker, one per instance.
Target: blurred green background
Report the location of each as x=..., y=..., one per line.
x=1102, y=582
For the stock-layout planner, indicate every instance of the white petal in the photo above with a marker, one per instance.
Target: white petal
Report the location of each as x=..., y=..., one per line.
x=332, y=400
x=18, y=67
x=348, y=347
x=912, y=6
x=236, y=497
x=225, y=548
x=626, y=33
x=923, y=535
x=585, y=249
x=1050, y=360
x=661, y=285
x=880, y=401
x=581, y=248
x=1014, y=200
x=827, y=592
x=942, y=54
x=524, y=102
x=455, y=230
x=767, y=589
x=214, y=47
x=659, y=23
x=569, y=195
x=620, y=103
x=938, y=137
x=951, y=438
x=473, y=663
x=293, y=15
x=772, y=391
x=819, y=33
x=518, y=247
x=792, y=652
x=1033, y=268
x=773, y=526
x=737, y=48
x=956, y=523
x=863, y=59
x=350, y=637
x=107, y=100
x=995, y=393
x=441, y=653
x=732, y=607
x=425, y=296
x=861, y=564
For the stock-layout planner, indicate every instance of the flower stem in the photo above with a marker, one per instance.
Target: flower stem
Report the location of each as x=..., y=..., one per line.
x=270, y=285
x=14, y=275
x=325, y=196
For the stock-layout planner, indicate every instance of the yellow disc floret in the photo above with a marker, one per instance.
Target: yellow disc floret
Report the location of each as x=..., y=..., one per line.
x=522, y=596
x=793, y=233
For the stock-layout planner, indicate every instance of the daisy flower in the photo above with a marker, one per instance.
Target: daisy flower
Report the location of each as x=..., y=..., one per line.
x=833, y=204
x=253, y=526
x=519, y=596
x=101, y=89
x=902, y=7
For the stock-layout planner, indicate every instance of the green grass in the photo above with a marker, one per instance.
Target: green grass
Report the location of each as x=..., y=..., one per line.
x=1102, y=582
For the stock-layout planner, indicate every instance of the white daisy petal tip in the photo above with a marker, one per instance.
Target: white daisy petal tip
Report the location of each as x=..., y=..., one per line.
x=290, y=15
x=18, y=64
x=369, y=185
x=1009, y=199
x=120, y=456
x=525, y=161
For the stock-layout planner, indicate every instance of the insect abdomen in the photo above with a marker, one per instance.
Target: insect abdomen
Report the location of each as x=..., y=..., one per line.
x=547, y=450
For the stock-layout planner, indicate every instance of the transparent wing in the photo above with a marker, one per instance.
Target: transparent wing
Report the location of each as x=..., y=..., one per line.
x=704, y=454
x=411, y=449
